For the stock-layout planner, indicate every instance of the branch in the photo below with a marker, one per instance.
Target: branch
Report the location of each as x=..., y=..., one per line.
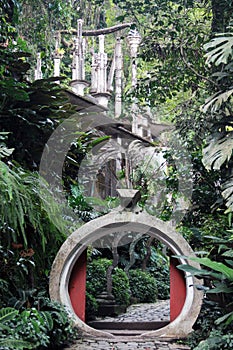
x=193, y=70
x=99, y=31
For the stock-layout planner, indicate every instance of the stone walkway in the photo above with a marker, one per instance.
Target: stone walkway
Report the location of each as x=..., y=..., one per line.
x=159, y=311
x=122, y=344
x=135, y=313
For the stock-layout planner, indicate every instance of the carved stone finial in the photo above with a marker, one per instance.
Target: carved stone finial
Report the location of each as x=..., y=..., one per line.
x=134, y=40
x=129, y=198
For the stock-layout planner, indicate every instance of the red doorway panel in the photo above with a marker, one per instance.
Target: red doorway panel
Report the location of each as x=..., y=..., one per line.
x=177, y=289
x=77, y=286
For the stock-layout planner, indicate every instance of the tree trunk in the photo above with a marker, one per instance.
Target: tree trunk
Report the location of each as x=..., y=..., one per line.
x=148, y=253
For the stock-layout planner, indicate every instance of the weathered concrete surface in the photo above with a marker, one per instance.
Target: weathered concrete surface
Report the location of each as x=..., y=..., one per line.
x=125, y=344
x=121, y=221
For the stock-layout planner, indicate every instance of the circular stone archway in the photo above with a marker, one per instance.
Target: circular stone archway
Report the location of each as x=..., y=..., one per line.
x=125, y=221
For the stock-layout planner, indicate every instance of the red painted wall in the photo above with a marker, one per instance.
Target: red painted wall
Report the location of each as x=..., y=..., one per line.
x=177, y=289
x=77, y=286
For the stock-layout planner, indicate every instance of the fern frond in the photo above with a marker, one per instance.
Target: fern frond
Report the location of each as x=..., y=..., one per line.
x=48, y=320
x=7, y=314
x=15, y=344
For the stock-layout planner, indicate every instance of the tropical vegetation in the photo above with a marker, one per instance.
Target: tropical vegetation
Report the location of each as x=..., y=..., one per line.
x=184, y=77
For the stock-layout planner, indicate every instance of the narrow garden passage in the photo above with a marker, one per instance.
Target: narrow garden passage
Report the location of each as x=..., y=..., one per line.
x=137, y=319
x=146, y=312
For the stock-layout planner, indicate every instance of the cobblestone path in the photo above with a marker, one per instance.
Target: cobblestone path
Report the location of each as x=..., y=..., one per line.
x=159, y=311
x=135, y=313
x=122, y=344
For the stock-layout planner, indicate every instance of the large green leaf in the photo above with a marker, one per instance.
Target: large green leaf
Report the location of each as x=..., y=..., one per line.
x=222, y=288
x=216, y=266
x=220, y=49
x=7, y=314
x=48, y=320
x=215, y=101
x=228, y=318
x=218, y=150
x=227, y=192
x=197, y=272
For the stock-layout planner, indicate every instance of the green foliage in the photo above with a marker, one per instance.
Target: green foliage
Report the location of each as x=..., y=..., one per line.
x=28, y=111
x=4, y=151
x=120, y=287
x=219, y=49
x=206, y=328
x=97, y=283
x=217, y=153
x=218, y=277
x=143, y=286
x=216, y=340
x=80, y=205
x=96, y=275
x=7, y=314
x=20, y=205
x=91, y=305
x=32, y=329
x=170, y=59
x=158, y=267
x=18, y=202
x=8, y=14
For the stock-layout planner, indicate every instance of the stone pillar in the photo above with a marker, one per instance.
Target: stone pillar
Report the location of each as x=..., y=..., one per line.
x=57, y=56
x=78, y=71
x=38, y=72
x=118, y=78
x=94, y=69
x=78, y=83
x=134, y=40
x=101, y=94
x=102, y=67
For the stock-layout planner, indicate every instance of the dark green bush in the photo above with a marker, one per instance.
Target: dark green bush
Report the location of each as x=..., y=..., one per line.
x=120, y=287
x=50, y=327
x=96, y=276
x=91, y=306
x=62, y=331
x=97, y=283
x=143, y=286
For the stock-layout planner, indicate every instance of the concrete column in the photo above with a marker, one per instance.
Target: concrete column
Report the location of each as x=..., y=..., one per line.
x=57, y=56
x=134, y=40
x=38, y=71
x=94, y=69
x=102, y=67
x=118, y=79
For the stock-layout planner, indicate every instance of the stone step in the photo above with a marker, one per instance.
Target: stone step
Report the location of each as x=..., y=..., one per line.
x=124, y=332
x=129, y=326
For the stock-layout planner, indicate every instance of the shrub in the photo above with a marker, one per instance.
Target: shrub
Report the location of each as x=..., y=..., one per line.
x=49, y=327
x=120, y=287
x=96, y=276
x=97, y=283
x=142, y=286
x=91, y=306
